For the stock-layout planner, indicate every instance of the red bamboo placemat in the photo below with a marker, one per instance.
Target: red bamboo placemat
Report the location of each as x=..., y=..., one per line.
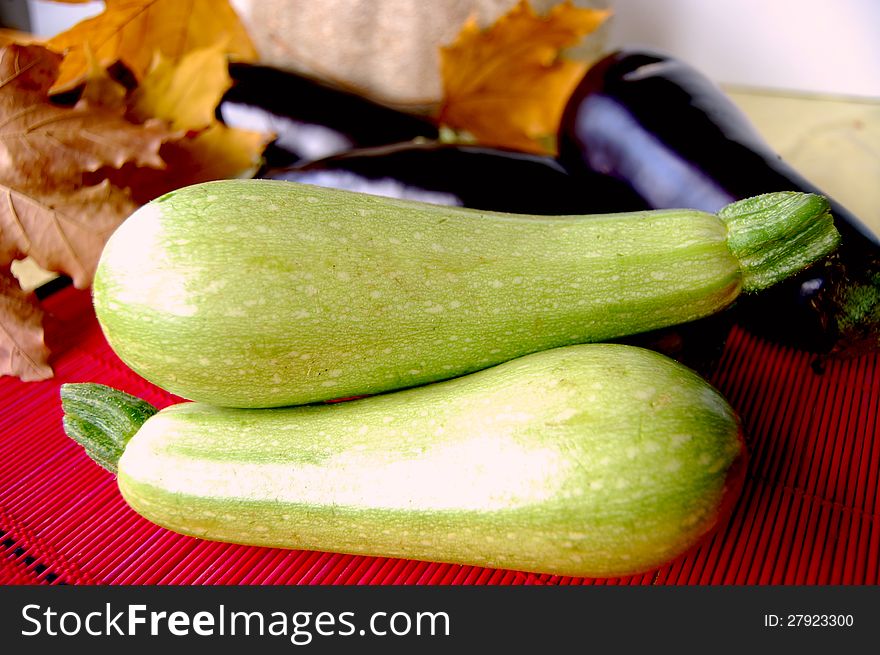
x=808, y=513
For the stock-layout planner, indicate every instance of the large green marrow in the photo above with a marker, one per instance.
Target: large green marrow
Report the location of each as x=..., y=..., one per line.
x=258, y=293
x=590, y=460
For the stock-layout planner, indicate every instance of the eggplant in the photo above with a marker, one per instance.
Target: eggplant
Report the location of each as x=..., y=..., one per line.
x=467, y=176
x=670, y=133
x=311, y=118
x=492, y=179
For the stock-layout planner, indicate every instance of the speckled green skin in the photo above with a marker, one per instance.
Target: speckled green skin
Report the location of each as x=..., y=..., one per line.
x=256, y=293
x=590, y=460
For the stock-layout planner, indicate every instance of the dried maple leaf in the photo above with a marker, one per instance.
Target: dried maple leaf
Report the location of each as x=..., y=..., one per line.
x=508, y=85
x=41, y=143
x=217, y=153
x=185, y=94
x=26, y=72
x=22, y=350
x=101, y=91
x=62, y=230
x=130, y=31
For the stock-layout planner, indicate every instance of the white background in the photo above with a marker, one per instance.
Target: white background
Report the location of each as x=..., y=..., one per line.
x=822, y=46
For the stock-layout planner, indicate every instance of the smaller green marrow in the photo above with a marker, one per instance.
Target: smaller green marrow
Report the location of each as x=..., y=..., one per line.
x=261, y=293
x=589, y=460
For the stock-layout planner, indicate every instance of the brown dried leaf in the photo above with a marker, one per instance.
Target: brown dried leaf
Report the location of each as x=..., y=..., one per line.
x=130, y=31
x=508, y=85
x=217, y=153
x=26, y=73
x=41, y=142
x=22, y=350
x=63, y=230
x=101, y=91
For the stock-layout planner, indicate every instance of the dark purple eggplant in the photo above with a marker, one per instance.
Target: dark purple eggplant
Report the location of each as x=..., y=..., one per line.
x=467, y=176
x=669, y=132
x=498, y=180
x=311, y=118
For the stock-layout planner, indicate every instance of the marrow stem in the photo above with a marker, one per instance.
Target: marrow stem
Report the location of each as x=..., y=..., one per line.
x=102, y=419
x=778, y=234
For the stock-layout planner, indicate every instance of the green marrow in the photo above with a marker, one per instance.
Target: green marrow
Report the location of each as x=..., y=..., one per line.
x=261, y=293
x=587, y=460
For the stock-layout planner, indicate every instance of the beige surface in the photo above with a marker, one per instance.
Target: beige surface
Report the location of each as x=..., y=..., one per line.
x=833, y=142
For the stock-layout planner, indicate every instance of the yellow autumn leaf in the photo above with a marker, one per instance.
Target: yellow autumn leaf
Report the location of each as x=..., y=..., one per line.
x=185, y=94
x=508, y=85
x=130, y=31
x=221, y=152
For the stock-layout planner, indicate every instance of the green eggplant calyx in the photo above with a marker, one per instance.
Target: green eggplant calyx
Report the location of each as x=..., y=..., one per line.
x=102, y=419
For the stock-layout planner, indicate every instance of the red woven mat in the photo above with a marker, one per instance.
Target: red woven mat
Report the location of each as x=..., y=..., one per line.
x=808, y=513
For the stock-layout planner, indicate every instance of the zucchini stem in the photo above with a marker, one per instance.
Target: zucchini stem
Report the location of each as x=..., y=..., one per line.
x=102, y=419
x=777, y=234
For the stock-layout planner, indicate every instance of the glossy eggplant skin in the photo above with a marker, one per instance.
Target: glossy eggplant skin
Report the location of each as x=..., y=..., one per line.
x=661, y=126
x=312, y=119
x=468, y=176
